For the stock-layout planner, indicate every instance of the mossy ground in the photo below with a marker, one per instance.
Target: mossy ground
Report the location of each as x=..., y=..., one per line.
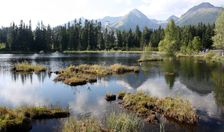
x=82, y=74
x=145, y=106
x=19, y=119
x=27, y=67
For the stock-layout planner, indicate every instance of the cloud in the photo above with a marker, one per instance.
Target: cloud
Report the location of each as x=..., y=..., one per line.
x=57, y=12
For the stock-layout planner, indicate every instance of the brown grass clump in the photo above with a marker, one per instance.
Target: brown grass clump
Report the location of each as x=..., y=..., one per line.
x=83, y=125
x=121, y=95
x=27, y=67
x=44, y=112
x=173, y=108
x=20, y=119
x=82, y=74
x=121, y=69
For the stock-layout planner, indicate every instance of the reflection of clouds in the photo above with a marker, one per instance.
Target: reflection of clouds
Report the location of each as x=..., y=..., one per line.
x=101, y=82
x=158, y=87
x=124, y=84
x=15, y=93
x=84, y=103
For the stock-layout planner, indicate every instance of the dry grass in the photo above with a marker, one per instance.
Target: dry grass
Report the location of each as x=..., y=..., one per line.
x=27, y=67
x=122, y=122
x=82, y=74
x=172, y=108
x=20, y=119
x=121, y=95
x=121, y=69
x=84, y=125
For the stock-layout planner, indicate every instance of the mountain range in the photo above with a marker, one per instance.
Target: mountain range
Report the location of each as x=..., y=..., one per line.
x=203, y=13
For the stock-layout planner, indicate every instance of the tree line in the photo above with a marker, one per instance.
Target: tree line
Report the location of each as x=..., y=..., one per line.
x=91, y=35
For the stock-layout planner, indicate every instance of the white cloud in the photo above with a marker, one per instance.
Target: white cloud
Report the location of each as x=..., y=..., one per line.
x=56, y=12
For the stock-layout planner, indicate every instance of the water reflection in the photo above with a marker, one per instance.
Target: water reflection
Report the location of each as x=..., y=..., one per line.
x=199, y=82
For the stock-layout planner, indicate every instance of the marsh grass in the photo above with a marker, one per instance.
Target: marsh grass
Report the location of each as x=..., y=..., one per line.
x=123, y=122
x=148, y=55
x=82, y=74
x=173, y=108
x=19, y=119
x=121, y=95
x=82, y=125
x=121, y=69
x=120, y=122
x=43, y=112
x=12, y=120
x=27, y=67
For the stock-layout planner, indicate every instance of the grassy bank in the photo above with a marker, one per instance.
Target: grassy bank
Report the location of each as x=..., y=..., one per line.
x=210, y=56
x=82, y=74
x=27, y=67
x=19, y=119
x=172, y=108
x=102, y=51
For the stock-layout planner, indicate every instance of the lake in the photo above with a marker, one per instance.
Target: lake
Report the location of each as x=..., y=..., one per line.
x=200, y=82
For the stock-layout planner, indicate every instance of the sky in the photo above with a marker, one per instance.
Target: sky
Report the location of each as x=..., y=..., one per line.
x=55, y=12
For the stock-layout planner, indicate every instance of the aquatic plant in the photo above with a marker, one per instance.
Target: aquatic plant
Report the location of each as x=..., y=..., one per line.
x=27, y=67
x=121, y=95
x=173, y=108
x=121, y=69
x=123, y=122
x=83, y=125
x=19, y=119
x=82, y=74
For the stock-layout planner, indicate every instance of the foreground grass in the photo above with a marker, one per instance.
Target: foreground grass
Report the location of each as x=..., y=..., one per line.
x=27, y=67
x=123, y=122
x=83, y=125
x=120, y=122
x=20, y=119
x=82, y=74
x=172, y=108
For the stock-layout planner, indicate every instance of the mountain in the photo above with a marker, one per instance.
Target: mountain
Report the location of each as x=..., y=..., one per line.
x=131, y=20
x=204, y=12
x=109, y=20
x=173, y=17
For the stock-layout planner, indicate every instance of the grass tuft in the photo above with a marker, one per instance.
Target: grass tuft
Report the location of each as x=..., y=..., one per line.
x=27, y=67
x=20, y=119
x=83, y=125
x=172, y=108
x=123, y=122
x=82, y=74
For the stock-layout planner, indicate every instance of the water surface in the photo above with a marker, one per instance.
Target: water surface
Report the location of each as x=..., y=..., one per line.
x=200, y=82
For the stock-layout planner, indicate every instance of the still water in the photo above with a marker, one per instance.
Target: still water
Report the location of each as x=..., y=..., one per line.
x=200, y=82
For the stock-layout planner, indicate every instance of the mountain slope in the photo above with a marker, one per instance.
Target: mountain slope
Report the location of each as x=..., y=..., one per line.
x=132, y=19
x=204, y=12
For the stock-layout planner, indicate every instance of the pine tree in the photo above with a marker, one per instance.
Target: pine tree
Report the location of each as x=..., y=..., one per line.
x=170, y=42
x=219, y=32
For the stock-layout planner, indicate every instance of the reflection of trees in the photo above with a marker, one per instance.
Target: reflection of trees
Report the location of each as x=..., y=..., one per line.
x=195, y=75
x=24, y=77
x=218, y=80
x=169, y=67
x=170, y=80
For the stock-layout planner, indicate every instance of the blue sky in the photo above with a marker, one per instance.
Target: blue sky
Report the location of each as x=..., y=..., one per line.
x=56, y=12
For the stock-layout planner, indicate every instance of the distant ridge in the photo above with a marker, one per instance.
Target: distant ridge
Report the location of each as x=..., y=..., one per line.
x=203, y=13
